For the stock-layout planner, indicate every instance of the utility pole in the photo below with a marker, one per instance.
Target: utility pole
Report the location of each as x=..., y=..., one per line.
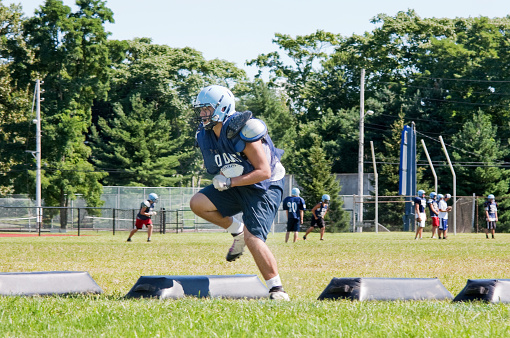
x=361, y=145
x=38, y=155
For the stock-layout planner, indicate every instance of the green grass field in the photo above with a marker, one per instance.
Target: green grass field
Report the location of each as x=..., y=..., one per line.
x=305, y=267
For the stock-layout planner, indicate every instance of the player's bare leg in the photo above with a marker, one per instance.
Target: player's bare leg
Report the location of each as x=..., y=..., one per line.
x=203, y=207
x=310, y=229
x=323, y=229
x=131, y=234
x=149, y=232
x=287, y=237
x=295, y=236
x=262, y=255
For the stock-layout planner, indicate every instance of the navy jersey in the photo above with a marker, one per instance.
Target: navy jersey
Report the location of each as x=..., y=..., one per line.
x=492, y=208
x=432, y=204
x=293, y=204
x=421, y=202
x=221, y=152
x=148, y=208
x=321, y=211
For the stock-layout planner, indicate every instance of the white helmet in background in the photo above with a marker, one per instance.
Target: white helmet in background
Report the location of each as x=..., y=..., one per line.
x=295, y=192
x=220, y=99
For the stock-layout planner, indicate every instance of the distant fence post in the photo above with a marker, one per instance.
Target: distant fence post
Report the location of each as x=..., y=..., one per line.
x=79, y=221
x=177, y=221
x=162, y=228
x=113, y=221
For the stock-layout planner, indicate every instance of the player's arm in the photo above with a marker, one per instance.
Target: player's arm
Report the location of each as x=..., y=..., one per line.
x=144, y=211
x=416, y=208
x=315, y=208
x=302, y=214
x=255, y=153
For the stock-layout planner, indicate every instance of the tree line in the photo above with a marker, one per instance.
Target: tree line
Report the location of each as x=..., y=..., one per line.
x=118, y=112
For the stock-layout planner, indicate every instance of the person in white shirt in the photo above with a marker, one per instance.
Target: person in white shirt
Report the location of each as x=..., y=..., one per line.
x=443, y=215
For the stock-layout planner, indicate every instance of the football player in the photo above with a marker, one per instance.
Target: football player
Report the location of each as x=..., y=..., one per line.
x=248, y=178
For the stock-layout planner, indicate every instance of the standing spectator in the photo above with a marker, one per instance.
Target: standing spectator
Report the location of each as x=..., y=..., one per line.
x=443, y=215
x=144, y=216
x=295, y=206
x=434, y=213
x=491, y=215
x=318, y=213
x=419, y=210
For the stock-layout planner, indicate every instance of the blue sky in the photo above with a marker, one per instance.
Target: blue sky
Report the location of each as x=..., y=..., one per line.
x=240, y=30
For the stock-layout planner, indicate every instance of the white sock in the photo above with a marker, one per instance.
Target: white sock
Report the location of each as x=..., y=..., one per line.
x=236, y=226
x=275, y=281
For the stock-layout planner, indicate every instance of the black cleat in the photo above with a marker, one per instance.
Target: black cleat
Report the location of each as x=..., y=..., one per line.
x=277, y=293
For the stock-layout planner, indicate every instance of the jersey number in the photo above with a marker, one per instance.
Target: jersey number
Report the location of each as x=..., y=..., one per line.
x=292, y=206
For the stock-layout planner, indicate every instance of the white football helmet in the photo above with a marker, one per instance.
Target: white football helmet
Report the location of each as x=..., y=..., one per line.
x=220, y=99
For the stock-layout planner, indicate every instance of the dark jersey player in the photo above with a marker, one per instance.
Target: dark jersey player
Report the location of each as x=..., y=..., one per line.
x=144, y=216
x=248, y=178
x=434, y=213
x=318, y=213
x=294, y=206
x=420, y=203
x=491, y=215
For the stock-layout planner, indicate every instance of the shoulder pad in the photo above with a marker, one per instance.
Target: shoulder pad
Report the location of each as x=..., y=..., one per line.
x=237, y=122
x=147, y=204
x=253, y=130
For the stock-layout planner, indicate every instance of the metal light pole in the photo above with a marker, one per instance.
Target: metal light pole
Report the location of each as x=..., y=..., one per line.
x=376, y=177
x=361, y=145
x=454, y=186
x=430, y=164
x=38, y=156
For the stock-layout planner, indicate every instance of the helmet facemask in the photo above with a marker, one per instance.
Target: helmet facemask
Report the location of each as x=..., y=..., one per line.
x=213, y=105
x=204, y=113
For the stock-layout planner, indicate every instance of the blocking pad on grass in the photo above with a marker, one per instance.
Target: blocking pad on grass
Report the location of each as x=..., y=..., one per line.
x=163, y=287
x=489, y=290
x=385, y=289
x=47, y=283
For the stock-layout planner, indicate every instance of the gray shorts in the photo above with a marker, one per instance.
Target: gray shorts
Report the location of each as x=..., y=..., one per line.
x=259, y=207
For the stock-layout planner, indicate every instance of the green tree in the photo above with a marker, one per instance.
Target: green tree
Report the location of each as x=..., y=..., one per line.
x=136, y=148
x=300, y=78
x=265, y=103
x=477, y=142
x=71, y=56
x=14, y=105
x=313, y=174
x=165, y=79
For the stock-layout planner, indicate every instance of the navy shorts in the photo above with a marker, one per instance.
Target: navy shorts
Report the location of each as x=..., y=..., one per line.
x=317, y=223
x=443, y=224
x=491, y=225
x=259, y=207
x=293, y=224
